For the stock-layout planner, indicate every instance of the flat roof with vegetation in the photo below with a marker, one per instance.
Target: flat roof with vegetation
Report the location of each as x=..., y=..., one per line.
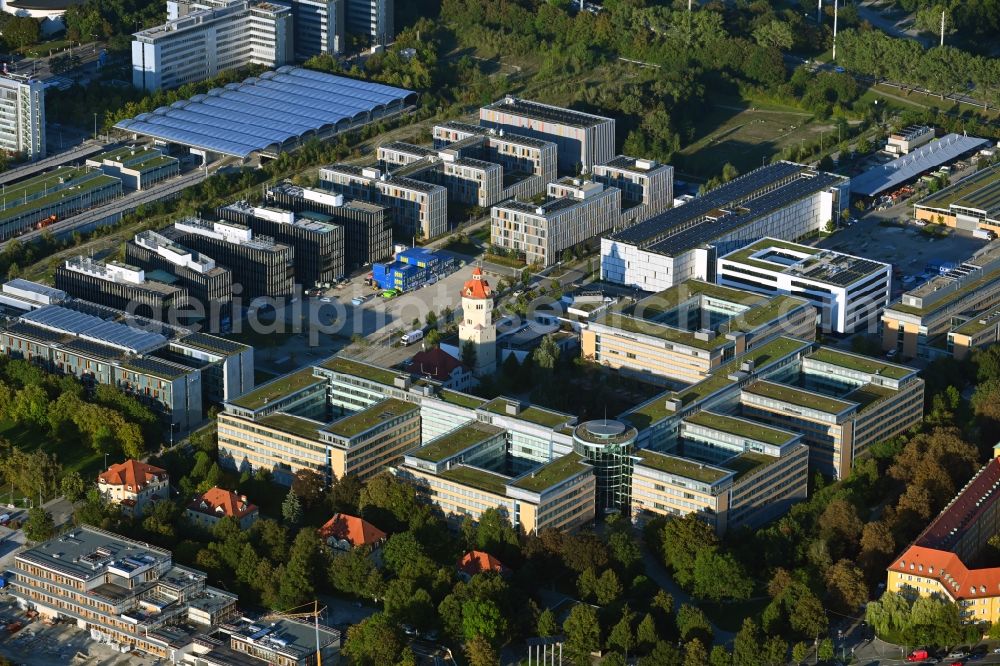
x=278, y=388
x=976, y=324
x=869, y=395
x=741, y=427
x=366, y=419
x=682, y=467
x=984, y=179
x=461, y=399
x=984, y=283
x=749, y=462
x=798, y=397
x=552, y=473
x=744, y=255
x=480, y=479
x=662, y=302
x=354, y=368
x=532, y=414
x=295, y=425
x=866, y=364
x=456, y=441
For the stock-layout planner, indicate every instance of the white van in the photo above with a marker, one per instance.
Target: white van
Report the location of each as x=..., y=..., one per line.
x=412, y=336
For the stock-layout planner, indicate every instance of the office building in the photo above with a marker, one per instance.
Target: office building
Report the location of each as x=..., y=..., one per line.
x=124, y=592
x=122, y=287
x=319, y=27
x=783, y=200
x=412, y=268
x=583, y=139
x=849, y=292
x=372, y=20
x=211, y=506
x=367, y=226
x=941, y=562
x=276, y=640
x=22, y=116
x=39, y=201
x=908, y=139
x=684, y=334
x=918, y=325
x=647, y=186
x=575, y=211
x=969, y=204
x=20, y=295
x=209, y=286
x=134, y=485
x=207, y=42
x=138, y=168
x=317, y=243
x=259, y=266
x=418, y=209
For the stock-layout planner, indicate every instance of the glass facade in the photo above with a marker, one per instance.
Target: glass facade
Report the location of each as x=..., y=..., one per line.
x=608, y=446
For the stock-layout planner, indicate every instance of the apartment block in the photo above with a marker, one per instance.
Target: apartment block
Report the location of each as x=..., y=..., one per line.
x=684, y=334
x=138, y=168
x=583, y=139
x=207, y=42
x=37, y=202
x=371, y=19
x=122, y=591
x=418, y=208
x=647, y=186
x=785, y=201
x=22, y=116
x=574, y=212
x=848, y=292
x=918, y=325
x=940, y=562
x=367, y=226
x=134, y=485
x=529, y=163
x=260, y=266
x=318, y=244
x=120, y=286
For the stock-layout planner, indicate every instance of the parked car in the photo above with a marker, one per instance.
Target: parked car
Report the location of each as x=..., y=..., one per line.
x=390, y=293
x=358, y=300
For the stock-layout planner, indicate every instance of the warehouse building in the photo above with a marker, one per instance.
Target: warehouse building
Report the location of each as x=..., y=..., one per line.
x=122, y=287
x=367, y=226
x=970, y=204
x=39, y=201
x=783, y=200
x=318, y=245
x=138, y=168
x=684, y=334
x=911, y=166
x=647, y=187
x=849, y=292
x=909, y=139
x=583, y=139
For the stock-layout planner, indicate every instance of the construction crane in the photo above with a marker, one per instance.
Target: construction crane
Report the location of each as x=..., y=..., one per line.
x=294, y=614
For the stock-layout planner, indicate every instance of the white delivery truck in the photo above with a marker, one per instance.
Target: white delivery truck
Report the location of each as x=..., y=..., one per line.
x=412, y=336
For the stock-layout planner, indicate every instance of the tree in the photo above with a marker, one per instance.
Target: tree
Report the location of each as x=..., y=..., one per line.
x=546, y=355
x=607, y=588
x=344, y=493
x=799, y=652
x=720, y=657
x=375, y=641
x=494, y=532
x=662, y=654
x=469, y=354
x=39, y=526
x=645, y=633
x=746, y=645
x=774, y=652
x=776, y=34
x=695, y=653
x=718, y=577
x=825, y=650
x=547, y=625
x=291, y=509
x=622, y=636
x=297, y=583
x=729, y=172
x=482, y=617
x=807, y=616
x=692, y=623
x=72, y=486
x=583, y=633
x=480, y=652
x=846, y=586
x=21, y=31
x=308, y=485
x=682, y=539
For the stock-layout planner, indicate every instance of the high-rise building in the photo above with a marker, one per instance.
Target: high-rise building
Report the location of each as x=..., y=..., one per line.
x=647, y=186
x=22, y=116
x=477, y=327
x=206, y=42
x=319, y=27
x=373, y=19
x=120, y=286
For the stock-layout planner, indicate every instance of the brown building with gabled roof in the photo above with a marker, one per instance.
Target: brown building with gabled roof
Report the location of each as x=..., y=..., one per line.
x=133, y=485
x=217, y=503
x=346, y=532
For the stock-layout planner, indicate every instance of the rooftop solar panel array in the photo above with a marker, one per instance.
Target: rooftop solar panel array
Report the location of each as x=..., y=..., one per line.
x=88, y=327
x=265, y=112
x=894, y=173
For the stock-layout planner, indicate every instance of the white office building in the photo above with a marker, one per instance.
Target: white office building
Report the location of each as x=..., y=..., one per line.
x=206, y=42
x=782, y=200
x=22, y=116
x=849, y=292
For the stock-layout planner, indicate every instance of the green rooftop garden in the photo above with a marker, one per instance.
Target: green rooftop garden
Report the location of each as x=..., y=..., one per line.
x=122, y=154
x=978, y=323
x=668, y=299
x=682, y=467
x=552, y=473
x=12, y=209
x=278, y=388
x=294, y=425
x=354, y=368
x=797, y=396
x=748, y=462
x=537, y=415
x=490, y=482
x=741, y=428
x=461, y=399
x=454, y=442
x=366, y=419
x=869, y=395
x=743, y=255
x=866, y=364
x=154, y=163
x=942, y=199
x=958, y=294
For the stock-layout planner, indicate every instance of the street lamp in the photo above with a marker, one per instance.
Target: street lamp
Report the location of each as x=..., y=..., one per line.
x=95, y=127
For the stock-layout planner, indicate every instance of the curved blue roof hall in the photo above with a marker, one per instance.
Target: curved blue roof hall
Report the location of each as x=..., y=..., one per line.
x=266, y=112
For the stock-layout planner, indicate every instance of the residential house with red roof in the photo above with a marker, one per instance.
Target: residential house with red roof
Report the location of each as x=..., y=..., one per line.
x=477, y=562
x=346, y=532
x=440, y=366
x=133, y=485
x=217, y=503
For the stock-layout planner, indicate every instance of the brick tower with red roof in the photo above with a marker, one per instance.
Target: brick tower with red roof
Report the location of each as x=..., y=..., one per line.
x=477, y=327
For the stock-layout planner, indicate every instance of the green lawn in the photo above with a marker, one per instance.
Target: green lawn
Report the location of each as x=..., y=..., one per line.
x=43, y=49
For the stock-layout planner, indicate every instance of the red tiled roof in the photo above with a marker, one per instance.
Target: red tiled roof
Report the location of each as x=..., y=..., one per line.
x=946, y=568
x=219, y=502
x=476, y=561
x=477, y=287
x=355, y=531
x=131, y=473
x=434, y=363
x=976, y=497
